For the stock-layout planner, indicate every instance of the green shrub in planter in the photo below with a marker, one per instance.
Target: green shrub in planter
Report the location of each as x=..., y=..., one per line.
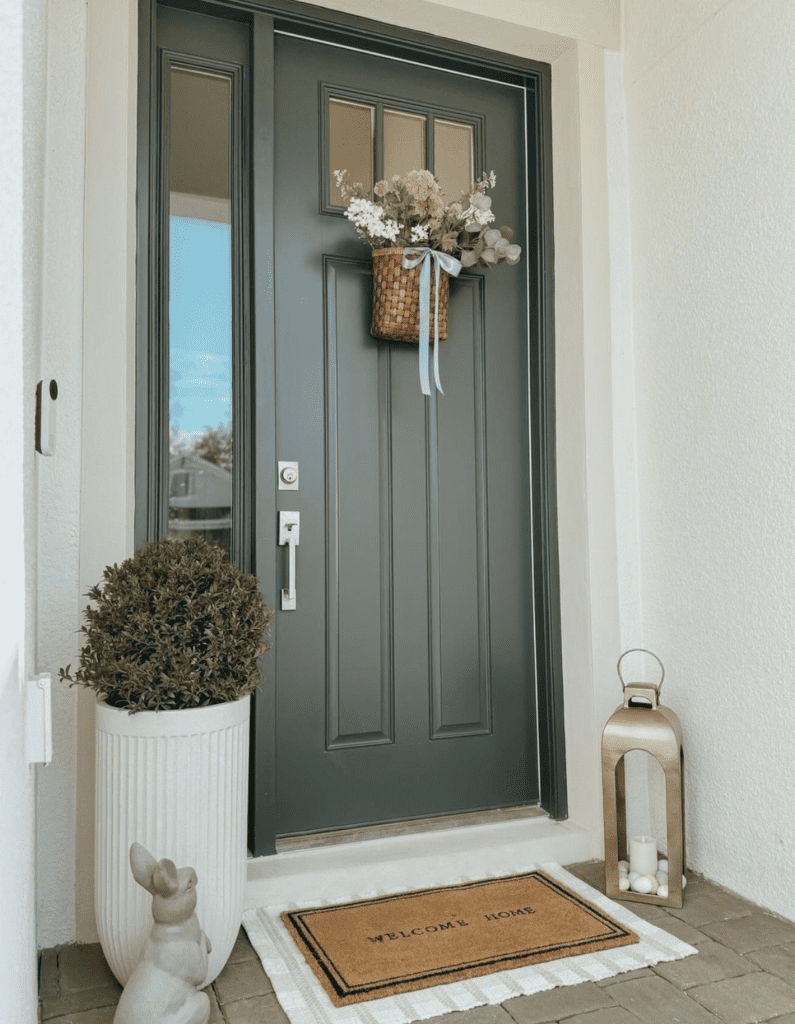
x=175, y=626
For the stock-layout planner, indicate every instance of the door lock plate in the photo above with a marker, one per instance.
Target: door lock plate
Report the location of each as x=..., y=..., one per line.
x=288, y=476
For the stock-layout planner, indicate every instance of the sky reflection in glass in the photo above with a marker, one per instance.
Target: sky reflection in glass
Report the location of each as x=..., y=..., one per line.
x=200, y=326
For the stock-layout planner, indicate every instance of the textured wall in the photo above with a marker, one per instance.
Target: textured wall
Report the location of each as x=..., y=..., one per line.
x=22, y=45
x=60, y=312
x=540, y=29
x=711, y=145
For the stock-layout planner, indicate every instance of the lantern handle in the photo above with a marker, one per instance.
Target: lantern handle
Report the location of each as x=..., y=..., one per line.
x=641, y=650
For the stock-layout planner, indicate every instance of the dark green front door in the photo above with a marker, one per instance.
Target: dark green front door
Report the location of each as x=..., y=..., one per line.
x=405, y=679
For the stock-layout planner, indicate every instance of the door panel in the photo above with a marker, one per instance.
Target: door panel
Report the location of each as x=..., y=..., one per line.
x=359, y=662
x=405, y=680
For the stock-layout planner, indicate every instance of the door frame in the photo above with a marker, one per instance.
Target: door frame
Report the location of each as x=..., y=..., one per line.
x=257, y=531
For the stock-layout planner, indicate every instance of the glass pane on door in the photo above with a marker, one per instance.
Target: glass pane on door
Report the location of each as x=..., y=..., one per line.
x=404, y=142
x=454, y=156
x=200, y=307
x=350, y=144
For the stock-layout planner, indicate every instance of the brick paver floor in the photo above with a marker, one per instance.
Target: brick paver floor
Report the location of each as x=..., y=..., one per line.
x=744, y=974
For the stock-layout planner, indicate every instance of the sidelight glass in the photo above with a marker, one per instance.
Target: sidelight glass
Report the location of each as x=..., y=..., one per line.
x=454, y=156
x=404, y=142
x=200, y=307
x=350, y=144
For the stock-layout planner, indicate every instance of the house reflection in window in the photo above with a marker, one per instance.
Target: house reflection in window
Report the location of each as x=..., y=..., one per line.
x=200, y=500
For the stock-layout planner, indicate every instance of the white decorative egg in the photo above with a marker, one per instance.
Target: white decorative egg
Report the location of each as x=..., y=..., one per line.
x=633, y=875
x=623, y=865
x=654, y=883
x=684, y=881
x=642, y=884
x=662, y=865
x=662, y=877
x=663, y=891
x=623, y=883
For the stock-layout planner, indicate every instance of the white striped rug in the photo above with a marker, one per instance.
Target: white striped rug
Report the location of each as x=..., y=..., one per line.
x=305, y=1002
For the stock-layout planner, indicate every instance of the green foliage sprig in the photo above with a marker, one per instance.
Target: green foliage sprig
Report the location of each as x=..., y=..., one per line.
x=175, y=626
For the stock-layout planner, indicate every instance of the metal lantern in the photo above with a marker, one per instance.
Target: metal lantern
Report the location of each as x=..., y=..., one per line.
x=642, y=723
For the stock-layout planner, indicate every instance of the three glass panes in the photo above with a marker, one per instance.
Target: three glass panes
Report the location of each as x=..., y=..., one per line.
x=351, y=144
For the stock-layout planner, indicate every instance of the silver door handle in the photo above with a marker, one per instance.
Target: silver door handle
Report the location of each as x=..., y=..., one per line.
x=289, y=534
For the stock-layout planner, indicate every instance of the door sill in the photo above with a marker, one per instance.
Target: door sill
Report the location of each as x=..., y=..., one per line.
x=317, y=874
x=412, y=826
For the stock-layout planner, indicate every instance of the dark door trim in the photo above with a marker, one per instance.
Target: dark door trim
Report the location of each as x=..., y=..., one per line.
x=265, y=16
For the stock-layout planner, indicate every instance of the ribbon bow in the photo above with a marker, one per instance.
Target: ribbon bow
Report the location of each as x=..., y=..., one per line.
x=423, y=257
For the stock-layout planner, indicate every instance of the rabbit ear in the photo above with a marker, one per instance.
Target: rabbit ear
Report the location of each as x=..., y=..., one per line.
x=164, y=879
x=143, y=864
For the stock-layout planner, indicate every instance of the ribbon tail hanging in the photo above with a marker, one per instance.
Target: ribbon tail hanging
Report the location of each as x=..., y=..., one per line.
x=436, y=331
x=423, y=257
x=425, y=301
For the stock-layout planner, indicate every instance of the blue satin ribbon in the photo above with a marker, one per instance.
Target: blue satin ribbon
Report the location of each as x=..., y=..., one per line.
x=423, y=257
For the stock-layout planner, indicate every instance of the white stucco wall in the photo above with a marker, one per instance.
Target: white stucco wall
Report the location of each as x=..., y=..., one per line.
x=97, y=499
x=61, y=166
x=710, y=96
x=22, y=56
x=540, y=29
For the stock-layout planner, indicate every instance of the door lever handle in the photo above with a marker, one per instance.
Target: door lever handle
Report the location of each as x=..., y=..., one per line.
x=289, y=534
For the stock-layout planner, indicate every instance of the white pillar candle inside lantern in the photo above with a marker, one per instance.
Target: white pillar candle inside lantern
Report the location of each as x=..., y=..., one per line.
x=643, y=855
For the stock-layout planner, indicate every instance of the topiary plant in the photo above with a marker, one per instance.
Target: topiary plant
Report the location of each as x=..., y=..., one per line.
x=175, y=626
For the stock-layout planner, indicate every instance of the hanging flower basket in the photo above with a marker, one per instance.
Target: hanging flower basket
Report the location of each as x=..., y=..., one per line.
x=418, y=239
x=396, y=299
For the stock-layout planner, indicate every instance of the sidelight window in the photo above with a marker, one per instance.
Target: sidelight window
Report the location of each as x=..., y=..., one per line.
x=200, y=306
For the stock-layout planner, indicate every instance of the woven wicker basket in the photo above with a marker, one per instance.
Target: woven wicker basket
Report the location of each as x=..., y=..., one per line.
x=396, y=299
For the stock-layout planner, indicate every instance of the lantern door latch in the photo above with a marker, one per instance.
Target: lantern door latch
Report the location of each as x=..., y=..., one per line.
x=289, y=536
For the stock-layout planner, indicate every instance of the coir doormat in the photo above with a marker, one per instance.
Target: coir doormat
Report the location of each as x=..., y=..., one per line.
x=383, y=946
x=305, y=1000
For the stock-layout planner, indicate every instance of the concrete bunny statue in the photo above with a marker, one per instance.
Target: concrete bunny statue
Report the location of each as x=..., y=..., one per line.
x=164, y=987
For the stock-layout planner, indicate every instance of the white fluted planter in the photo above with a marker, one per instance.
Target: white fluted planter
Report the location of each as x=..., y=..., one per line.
x=176, y=782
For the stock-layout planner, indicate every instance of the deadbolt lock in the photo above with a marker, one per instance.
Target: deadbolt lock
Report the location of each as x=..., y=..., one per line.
x=288, y=476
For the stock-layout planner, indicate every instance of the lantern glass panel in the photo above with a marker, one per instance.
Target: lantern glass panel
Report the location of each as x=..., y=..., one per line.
x=645, y=792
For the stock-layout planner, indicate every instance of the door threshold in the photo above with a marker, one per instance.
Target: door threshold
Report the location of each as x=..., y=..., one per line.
x=391, y=863
x=411, y=826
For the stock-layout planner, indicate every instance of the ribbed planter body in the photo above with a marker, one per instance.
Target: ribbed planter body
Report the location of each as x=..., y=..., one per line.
x=176, y=782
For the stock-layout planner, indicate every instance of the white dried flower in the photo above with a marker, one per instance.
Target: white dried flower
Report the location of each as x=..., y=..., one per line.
x=390, y=229
x=369, y=218
x=421, y=185
x=476, y=217
x=419, y=233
